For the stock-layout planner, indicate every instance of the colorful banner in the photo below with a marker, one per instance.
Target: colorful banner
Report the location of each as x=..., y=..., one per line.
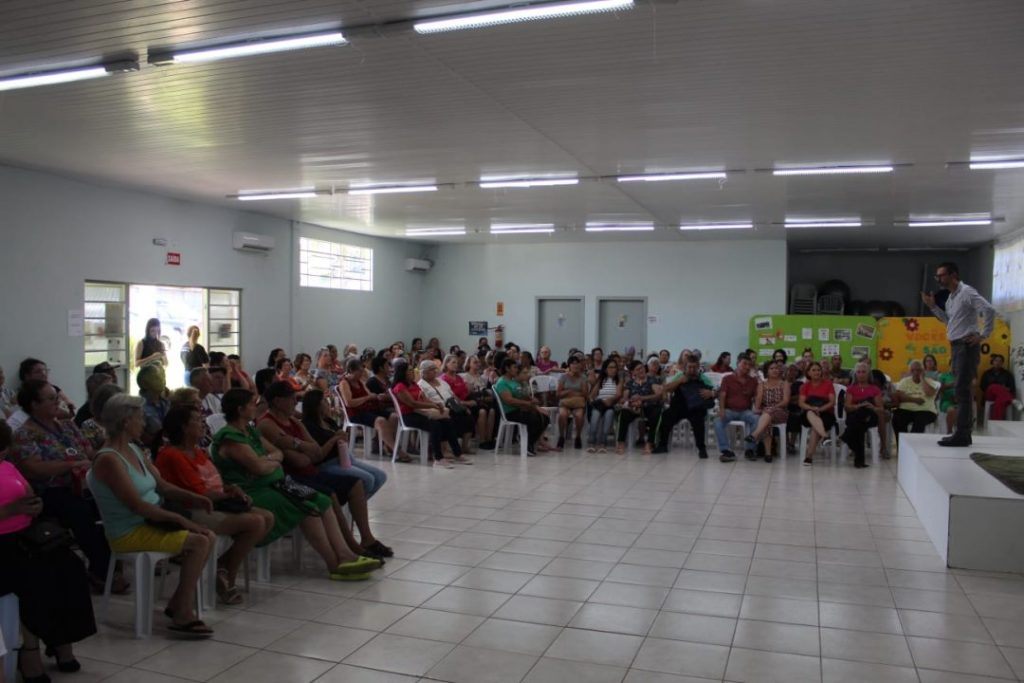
x=851, y=336
x=905, y=339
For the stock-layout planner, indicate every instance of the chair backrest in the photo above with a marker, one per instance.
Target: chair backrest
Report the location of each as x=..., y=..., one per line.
x=216, y=422
x=398, y=408
x=544, y=383
x=831, y=304
x=803, y=299
x=840, y=408
x=497, y=399
x=336, y=392
x=716, y=378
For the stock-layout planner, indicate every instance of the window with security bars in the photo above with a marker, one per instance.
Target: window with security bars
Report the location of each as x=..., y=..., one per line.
x=333, y=265
x=1008, y=275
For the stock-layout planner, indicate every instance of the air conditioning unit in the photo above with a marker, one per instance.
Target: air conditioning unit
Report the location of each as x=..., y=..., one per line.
x=417, y=265
x=249, y=241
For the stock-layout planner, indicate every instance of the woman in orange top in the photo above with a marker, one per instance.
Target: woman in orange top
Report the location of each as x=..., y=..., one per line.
x=283, y=373
x=184, y=464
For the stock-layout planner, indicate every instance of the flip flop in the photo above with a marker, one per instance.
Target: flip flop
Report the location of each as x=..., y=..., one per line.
x=349, y=577
x=193, y=629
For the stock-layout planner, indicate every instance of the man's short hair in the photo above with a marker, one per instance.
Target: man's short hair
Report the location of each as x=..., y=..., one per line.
x=951, y=268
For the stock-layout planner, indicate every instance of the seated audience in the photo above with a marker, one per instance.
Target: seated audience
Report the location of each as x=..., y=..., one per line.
x=303, y=373
x=324, y=376
x=419, y=412
x=691, y=396
x=605, y=394
x=818, y=401
x=153, y=389
x=130, y=494
x=316, y=418
x=772, y=405
x=641, y=399
x=51, y=585
x=947, y=396
x=477, y=411
x=33, y=368
x=92, y=383
x=931, y=367
x=251, y=462
x=736, y=402
x=92, y=429
x=915, y=398
x=881, y=380
x=151, y=350
x=435, y=388
x=664, y=357
x=518, y=406
x=479, y=388
x=863, y=406
x=545, y=365
x=275, y=355
x=837, y=373
x=183, y=463
x=795, y=419
x=202, y=380
x=722, y=365
x=283, y=373
x=8, y=399
x=526, y=364
x=655, y=371
x=999, y=387
x=371, y=409
x=54, y=456
x=238, y=378
x=572, y=393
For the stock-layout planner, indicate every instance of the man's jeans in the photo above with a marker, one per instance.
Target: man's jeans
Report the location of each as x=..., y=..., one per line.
x=746, y=416
x=965, y=367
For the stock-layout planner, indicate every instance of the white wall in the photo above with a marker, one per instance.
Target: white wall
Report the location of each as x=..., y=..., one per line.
x=703, y=293
x=57, y=232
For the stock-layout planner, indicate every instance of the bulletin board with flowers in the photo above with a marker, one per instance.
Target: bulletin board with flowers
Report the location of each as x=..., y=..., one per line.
x=905, y=339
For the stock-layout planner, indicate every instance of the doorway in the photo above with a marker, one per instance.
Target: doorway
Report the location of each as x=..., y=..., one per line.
x=622, y=322
x=560, y=325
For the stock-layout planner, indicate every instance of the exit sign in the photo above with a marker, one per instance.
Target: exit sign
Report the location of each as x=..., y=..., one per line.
x=174, y=258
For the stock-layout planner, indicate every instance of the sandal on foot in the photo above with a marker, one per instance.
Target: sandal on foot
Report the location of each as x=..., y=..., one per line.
x=193, y=629
x=378, y=549
x=349, y=577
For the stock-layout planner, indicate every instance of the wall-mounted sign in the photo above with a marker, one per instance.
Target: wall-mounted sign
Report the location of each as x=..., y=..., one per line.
x=500, y=309
x=477, y=328
x=174, y=258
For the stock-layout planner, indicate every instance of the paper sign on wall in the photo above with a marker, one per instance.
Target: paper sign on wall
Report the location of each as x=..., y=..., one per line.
x=829, y=350
x=477, y=328
x=764, y=323
x=823, y=334
x=789, y=338
x=76, y=322
x=652, y=320
x=500, y=309
x=807, y=333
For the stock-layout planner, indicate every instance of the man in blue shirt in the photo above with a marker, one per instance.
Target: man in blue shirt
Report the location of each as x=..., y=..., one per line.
x=964, y=307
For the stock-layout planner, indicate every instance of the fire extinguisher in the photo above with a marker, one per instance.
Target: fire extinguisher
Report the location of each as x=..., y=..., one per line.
x=499, y=337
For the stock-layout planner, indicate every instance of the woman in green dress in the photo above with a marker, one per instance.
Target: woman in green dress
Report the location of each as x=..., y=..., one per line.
x=246, y=459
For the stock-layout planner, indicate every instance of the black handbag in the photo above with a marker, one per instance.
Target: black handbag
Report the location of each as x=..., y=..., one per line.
x=455, y=407
x=44, y=537
x=232, y=505
x=300, y=495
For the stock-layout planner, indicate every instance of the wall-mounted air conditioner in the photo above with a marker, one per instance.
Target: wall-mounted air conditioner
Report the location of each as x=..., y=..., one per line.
x=418, y=265
x=251, y=242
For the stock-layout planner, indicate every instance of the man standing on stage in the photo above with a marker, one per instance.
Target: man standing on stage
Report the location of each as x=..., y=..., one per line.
x=963, y=308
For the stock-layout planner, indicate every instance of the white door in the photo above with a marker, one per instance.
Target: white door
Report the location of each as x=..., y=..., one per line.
x=622, y=323
x=560, y=325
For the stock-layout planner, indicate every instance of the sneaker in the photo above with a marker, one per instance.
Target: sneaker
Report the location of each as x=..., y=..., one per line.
x=749, y=438
x=750, y=454
x=727, y=456
x=808, y=462
x=703, y=455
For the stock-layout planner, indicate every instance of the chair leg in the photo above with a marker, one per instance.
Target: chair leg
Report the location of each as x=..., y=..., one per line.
x=398, y=444
x=263, y=564
x=143, y=595
x=523, y=438
x=107, y=585
x=499, y=437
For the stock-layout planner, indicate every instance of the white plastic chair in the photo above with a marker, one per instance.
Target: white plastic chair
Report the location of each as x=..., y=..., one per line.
x=263, y=558
x=403, y=430
x=833, y=433
x=542, y=384
x=505, y=427
x=369, y=433
x=210, y=572
x=10, y=629
x=144, y=565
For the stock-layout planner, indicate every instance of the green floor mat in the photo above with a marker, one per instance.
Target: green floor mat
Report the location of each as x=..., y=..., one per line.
x=1006, y=468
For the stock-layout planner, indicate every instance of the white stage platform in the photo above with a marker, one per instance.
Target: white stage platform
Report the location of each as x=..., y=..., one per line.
x=973, y=520
x=1006, y=428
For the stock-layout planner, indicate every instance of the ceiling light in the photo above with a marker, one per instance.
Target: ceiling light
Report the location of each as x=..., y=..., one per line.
x=434, y=232
x=996, y=164
x=901, y=249
x=659, y=177
x=389, y=189
x=248, y=48
x=831, y=170
x=619, y=227
x=840, y=250
x=718, y=226
x=823, y=223
x=549, y=10
x=951, y=222
x=67, y=75
x=491, y=182
x=522, y=228
x=293, y=193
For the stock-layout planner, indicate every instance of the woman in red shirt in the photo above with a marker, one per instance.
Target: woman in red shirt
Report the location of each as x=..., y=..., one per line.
x=367, y=409
x=863, y=407
x=420, y=413
x=482, y=414
x=818, y=401
x=183, y=463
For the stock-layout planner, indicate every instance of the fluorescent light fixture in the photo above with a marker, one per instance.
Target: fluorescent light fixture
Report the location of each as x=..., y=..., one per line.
x=248, y=48
x=33, y=80
x=823, y=223
x=840, y=250
x=901, y=249
x=996, y=164
x=434, y=232
x=389, y=189
x=522, y=228
x=619, y=227
x=950, y=223
x=292, y=193
x=659, y=177
x=831, y=170
x=718, y=226
x=550, y=10
x=490, y=182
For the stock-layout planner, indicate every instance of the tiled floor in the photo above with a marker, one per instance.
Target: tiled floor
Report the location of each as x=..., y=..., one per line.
x=602, y=568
